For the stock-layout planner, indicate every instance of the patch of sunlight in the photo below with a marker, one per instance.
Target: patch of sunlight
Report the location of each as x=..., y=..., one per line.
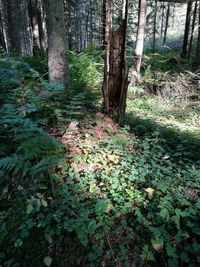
x=173, y=115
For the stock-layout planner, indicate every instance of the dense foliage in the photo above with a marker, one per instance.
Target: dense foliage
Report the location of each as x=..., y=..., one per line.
x=78, y=190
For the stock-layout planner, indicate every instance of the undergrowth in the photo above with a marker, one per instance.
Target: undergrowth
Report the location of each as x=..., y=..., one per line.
x=78, y=190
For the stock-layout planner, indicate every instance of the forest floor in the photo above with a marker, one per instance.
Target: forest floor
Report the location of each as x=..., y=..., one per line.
x=79, y=190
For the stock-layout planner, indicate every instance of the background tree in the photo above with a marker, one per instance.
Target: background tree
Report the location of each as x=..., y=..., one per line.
x=15, y=16
x=187, y=31
x=57, y=45
x=36, y=22
x=192, y=30
x=140, y=34
x=166, y=23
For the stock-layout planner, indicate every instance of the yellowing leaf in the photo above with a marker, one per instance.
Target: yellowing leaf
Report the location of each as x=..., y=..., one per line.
x=150, y=190
x=92, y=188
x=109, y=207
x=157, y=243
x=44, y=203
x=85, y=151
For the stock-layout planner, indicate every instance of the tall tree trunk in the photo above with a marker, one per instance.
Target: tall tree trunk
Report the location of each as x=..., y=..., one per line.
x=41, y=23
x=197, y=58
x=140, y=34
x=32, y=7
x=124, y=70
x=104, y=24
x=16, y=18
x=107, y=24
x=162, y=19
x=166, y=24
x=57, y=44
x=187, y=30
x=115, y=72
x=2, y=40
x=154, y=25
x=4, y=15
x=192, y=30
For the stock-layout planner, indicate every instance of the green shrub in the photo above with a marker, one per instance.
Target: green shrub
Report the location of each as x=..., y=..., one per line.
x=85, y=70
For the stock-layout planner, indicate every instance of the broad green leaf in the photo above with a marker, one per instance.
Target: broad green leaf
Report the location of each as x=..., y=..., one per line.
x=44, y=203
x=101, y=206
x=29, y=208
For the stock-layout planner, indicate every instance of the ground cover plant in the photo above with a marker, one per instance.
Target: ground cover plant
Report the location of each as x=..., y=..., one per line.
x=77, y=189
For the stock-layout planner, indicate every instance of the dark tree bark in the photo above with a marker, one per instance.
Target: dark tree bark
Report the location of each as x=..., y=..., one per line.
x=166, y=24
x=187, y=31
x=192, y=30
x=107, y=24
x=57, y=45
x=40, y=21
x=162, y=19
x=104, y=24
x=2, y=40
x=115, y=72
x=154, y=25
x=32, y=8
x=197, y=58
x=124, y=71
x=140, y=34
x=16, y=24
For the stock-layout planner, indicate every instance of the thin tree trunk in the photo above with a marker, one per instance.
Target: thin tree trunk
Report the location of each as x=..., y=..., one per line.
x=197, y=58
x=40, y=16
x=57, y=44
x=104, y=24
x=192, y=31
x=4, y=15
x=187, y=30
x=140, y=34
x=2, y=40
x=32, y=7
x=154, y=25
x=107, y=29
x=124, y=71
x=162, y=19
x=15, y=16
x=166, y=24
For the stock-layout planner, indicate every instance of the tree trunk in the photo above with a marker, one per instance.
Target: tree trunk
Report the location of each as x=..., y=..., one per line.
x=187, y=30
x=32, y=7
x=16, y=21
x=192, y=31
x=124, y=71
x=162, y=19
x=115, y=72
x=140, y=34
x=107, y=24
x=40, y=21
x=166, y=24
x=2, y=40
x=197, y=58
x=57, y=45
x=154, y=25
